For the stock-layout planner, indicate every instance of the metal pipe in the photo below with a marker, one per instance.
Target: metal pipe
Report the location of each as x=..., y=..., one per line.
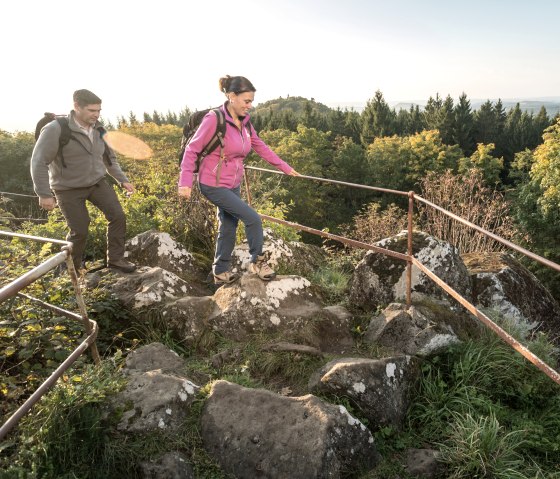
x=51, y=307
x=497, y=238
x=247, y=189
x=81, y=303
x=336, y=182
x=545, y=368
x=409, y=250
x=11, y=289
x=35, y=238
x=27, y=405
x=342, y=239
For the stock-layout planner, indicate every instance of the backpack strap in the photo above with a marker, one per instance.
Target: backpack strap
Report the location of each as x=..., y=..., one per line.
x=66, y=135
x=220, y=134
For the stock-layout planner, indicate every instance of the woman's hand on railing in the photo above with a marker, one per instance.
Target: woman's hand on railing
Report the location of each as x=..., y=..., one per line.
x=293, y=173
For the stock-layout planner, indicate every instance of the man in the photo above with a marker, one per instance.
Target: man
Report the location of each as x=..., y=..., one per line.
x=75, y=173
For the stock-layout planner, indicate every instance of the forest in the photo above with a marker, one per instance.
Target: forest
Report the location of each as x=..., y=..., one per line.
x=513, y=154
x=497, y=168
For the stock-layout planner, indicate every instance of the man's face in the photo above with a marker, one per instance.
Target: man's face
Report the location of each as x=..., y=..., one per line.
x=87, y=115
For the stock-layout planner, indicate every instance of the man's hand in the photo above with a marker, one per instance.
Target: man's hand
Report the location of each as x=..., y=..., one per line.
x=128, y=187
x=184, y=192
x=47, y=203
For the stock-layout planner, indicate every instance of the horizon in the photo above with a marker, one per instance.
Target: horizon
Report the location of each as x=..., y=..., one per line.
x=166, y=57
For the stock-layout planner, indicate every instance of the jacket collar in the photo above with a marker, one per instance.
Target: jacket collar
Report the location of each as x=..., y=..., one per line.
x=74, y=124
x=244, y=120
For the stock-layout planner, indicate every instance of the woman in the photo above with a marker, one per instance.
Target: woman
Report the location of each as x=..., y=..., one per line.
x=220, y=177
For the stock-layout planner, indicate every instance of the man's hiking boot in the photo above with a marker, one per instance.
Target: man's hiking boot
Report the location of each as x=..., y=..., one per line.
x=262, y=269
x=122, y=265
x=226, y=277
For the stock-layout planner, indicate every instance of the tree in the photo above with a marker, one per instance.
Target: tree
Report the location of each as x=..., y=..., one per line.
x=448, y=121
x=485, y=123
x=378, y=120
x=545, y=171
x=433, y=113
x=399, y=163
x=463, y=134
x=482, y=160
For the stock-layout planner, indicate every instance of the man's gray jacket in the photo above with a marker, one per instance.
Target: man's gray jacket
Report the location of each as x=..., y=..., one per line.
x=83, y=159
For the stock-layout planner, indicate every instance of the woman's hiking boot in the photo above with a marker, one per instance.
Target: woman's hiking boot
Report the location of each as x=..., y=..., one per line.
x=226, y=277
x=262, y=269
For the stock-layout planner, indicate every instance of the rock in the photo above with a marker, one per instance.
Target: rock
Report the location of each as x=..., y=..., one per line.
x=502, y=283
x=153, y=356
x=149, y=287
x=299, y=257
x=256, y=433
x=379, y=279
x=153, y=398
x=416, y=331
x=285, y=306
x=422, y=463
x=378, y=388
x=172, y=465
x=157, y=249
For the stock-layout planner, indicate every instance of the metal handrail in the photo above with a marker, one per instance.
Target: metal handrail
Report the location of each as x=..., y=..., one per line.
x=14, y=288
x=411, y=260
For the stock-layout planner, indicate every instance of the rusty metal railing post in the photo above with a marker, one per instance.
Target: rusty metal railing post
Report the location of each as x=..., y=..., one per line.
x=81, y=303
x=409, y=251
x=247, y=189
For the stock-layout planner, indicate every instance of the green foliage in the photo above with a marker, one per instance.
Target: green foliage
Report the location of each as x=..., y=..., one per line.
x=483, y=160
x=399, y=163
x=479, y=447
x=482, y=399
x=15, y=153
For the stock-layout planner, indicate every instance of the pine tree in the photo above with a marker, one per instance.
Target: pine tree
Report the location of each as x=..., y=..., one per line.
x=433, y=113
x=464, y=123
x=378, y=120
x=448, y=122
x=485, y=124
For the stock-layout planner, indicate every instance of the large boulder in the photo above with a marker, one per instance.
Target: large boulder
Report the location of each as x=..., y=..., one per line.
x=380, y=279
x=421, y=330
x=501, y=283
x=172, y=465
x=144, y=288
x=157, y=249
x=301, y=258
x=157, y=396
x=256, y=433
x=378, y=388
x=285, y=306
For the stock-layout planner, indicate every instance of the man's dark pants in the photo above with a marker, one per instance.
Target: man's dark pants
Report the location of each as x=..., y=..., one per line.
x=72, y=203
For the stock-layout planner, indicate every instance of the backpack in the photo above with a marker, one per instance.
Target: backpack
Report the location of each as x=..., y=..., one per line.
x=190, y=129
x=218, y=139
x=66, y=135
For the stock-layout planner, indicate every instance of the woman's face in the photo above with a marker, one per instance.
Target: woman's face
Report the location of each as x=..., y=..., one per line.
x=242, y=103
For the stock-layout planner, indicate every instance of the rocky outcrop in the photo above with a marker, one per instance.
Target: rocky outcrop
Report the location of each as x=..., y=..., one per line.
x=157, y=249
x=256, y=433
x=379, y=279
x=419, y=331
x=294, y=256
x=144, y=288
x=378, y=388
x=286, y=306
x=157, y=396
x=501, y=283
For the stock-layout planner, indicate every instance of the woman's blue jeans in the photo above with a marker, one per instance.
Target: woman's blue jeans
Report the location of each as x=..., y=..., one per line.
x=231, y=209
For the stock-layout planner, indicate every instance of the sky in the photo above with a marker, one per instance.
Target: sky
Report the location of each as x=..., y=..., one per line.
x=140, y=56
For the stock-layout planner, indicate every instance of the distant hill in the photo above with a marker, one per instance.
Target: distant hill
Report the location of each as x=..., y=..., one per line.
x=297, y=104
